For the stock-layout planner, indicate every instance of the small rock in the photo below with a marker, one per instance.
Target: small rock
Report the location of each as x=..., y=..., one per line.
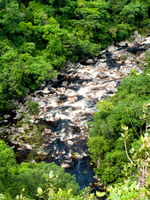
x=70, y=93
x=18, y=116
x=21, y=130
x=15, y=102
x=42, y=104
x=31, y=120
x=28, y=146
x=131, y=44
x=70, y=64
x=75, y=98
x=102, y=75
x=2, y=130
x=64, y=84
x=46, y=90
x=77, y=156
x=6, y=116
x=102, y=65
x=72, y=99
x=65, y=165
x=146, y=41
x=112, y=48
x=122, y=44
x=47, y=131
x=128, y=62
x=69, y=142
x=89, y=61
x=120, y=61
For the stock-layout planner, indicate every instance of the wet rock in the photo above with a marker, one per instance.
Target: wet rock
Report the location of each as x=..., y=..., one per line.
x=132, y=49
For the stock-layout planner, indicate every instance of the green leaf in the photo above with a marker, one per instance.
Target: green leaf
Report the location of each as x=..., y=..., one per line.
x=39, y=190
x=69, y=192
x=51, y=174
x=100, y=194
x=114, y=196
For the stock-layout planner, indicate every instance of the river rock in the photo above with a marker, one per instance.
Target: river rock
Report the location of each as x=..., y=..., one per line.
x=47, y=131
x=69, y=142
x=18, y=116
x=89, y=61
x=70, y=64
x=28, y=146
x=15, y=102
x=128, y=62
x=46, y=90
x=65, y=165
x=112, y=48
x=146, y=40
x=102, y=75
x=72, y=99
x=2, y=130
x=70, y=93
x=42, y=104
x=138, y=37
x=122, y=44
x=77, y=156
x=21, y=130
x=7, y=116
x=102, y=65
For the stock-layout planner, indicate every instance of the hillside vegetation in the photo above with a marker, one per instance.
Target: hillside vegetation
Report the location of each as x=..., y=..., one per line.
x=38, y=37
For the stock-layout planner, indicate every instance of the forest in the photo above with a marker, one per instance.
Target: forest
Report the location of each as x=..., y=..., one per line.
x=37, y=38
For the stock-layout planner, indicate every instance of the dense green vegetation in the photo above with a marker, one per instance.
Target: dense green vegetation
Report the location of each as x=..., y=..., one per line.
x=30, y=176
x=38, y=37
x=107, y=146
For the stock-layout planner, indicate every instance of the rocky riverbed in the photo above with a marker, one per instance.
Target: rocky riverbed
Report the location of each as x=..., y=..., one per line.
x=67, y=103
